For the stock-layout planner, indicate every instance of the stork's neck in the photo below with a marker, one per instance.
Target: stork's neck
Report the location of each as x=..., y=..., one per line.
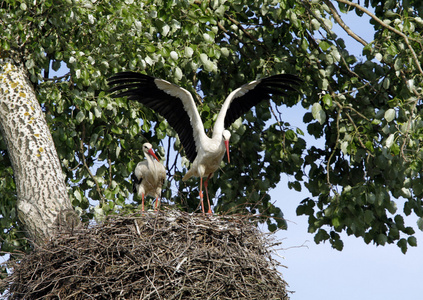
x=151, y=166
x=218, y=127
x=220, y=120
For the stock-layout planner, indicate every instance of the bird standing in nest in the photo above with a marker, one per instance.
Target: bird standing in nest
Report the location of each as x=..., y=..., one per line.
x=177, y=106
x=149, y=176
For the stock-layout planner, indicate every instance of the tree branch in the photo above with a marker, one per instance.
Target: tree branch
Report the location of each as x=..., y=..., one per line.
x=55, y=78
x=416, y=60
x=239, y=25
x=352, y=122
x=344, y=26
x=109, y=161
x=338, y=118
x=221, y=27
x=84, y=162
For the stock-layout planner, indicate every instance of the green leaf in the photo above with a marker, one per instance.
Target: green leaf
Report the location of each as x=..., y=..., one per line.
x=318, y=113
x=381, y=239
x=102, y=102
x=80, y=117
x=327, y=100
x=116, y=130
x=324, y=45
x=296, y=185
x=412, y=241
x=150, y=48
x=337, y=244
x=420, y=223
x=336, y=222
x=300, y=210
x=77, y=195
x=390, y=140
x=369, y=146
x=93, y=139
x=272, y=227
x=386, y=83
x=204, y=58
x=368, y=216
x=290, y=135
x=188, y=52
x=321, y=235
x=299, y=131
x=390, y=115
x=178, y=73
x=402, y=243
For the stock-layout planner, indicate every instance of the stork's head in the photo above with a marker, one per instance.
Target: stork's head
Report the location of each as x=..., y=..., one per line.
x=226, y=136
x=148, y=150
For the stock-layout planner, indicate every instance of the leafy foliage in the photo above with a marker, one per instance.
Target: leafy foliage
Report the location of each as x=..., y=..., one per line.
x=370, y=116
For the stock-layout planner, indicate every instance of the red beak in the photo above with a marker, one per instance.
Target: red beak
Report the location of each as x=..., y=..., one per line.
x=151, y=152
x=227, y=150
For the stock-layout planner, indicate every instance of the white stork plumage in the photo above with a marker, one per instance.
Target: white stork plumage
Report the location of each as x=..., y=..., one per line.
x=149, y=176
x=177, y=106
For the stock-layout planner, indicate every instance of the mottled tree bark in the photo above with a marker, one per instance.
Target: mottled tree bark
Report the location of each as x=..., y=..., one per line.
x=42, y=200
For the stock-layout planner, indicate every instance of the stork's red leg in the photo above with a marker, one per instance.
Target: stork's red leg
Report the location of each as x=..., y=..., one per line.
x=142, y=204
x=207, y=193
x=157, y=202
x=201, y=194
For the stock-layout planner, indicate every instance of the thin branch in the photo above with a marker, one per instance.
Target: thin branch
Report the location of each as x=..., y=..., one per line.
x=276, y=117
x=416, y=60
x=357, y=112
x=84, y=162
x=55, y=78
x=352, y=122
x=315, y=46
x=239, y=25
x=109, y=161
x=344, y=26
x=338, y=118
x=407, y=130
x=174, y=162
x=358, y=137
x=235, y=36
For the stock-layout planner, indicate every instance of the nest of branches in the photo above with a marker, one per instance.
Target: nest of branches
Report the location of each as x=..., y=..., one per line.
x=156, y=255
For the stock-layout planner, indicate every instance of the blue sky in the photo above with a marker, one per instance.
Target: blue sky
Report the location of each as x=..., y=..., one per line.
x=360, y=271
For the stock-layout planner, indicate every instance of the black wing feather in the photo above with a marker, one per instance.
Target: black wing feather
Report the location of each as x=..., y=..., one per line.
x=141, y=88
x=135, y=182
x=273, y=85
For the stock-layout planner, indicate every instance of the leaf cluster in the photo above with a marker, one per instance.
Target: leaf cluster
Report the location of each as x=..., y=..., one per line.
x=368, y=110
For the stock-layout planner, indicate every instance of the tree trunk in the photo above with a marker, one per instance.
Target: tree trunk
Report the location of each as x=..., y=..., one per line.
x=42, y=200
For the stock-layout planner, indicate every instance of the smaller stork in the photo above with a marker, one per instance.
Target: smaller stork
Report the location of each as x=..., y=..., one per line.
x=149, y=176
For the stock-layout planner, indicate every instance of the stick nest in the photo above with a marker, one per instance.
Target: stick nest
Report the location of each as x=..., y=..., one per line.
x=156, y=255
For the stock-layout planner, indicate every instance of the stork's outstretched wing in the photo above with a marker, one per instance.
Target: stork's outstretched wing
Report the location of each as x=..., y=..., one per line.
x=174, y=103
x=245, y=97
